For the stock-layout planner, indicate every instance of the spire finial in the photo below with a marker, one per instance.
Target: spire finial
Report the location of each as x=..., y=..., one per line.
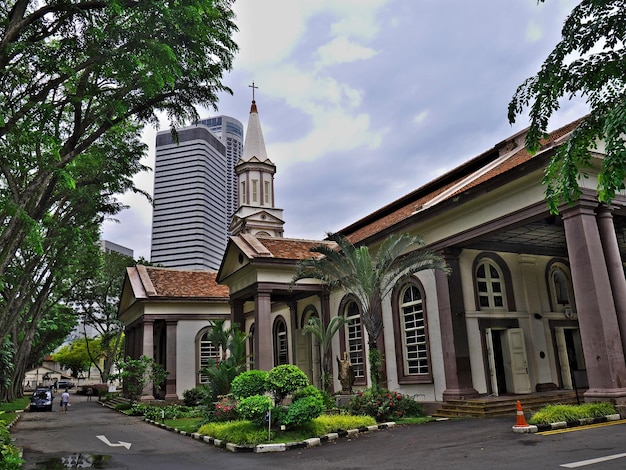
x=253, y=87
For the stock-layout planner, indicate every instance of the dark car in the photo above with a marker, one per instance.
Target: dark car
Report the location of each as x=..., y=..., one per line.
x=63, y=384
x=41, y=400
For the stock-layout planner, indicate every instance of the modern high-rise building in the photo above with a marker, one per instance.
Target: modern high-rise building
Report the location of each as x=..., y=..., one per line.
x=230, y=131
x=195, y=193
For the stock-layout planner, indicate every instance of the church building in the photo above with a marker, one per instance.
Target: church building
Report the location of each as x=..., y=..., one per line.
x=534, y=301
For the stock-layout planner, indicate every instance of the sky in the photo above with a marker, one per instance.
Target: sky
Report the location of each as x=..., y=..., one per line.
x=364, y=101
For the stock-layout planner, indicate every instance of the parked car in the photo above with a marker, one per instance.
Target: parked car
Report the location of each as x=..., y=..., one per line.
x=63, y=384
x=41, y=400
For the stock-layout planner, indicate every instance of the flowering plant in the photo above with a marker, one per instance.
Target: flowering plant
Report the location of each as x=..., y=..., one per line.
x=226, y=409
x=384, y=405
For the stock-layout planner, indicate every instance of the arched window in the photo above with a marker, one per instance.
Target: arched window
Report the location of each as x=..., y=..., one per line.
x=281, y=347
x=354, y=338
x=207, y=353
x=414, y=332
x=490, y=286
x=560, y=286
x=411, y=333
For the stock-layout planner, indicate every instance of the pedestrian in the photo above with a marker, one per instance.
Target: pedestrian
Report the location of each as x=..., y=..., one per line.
x=89, y=393
x=65, y=401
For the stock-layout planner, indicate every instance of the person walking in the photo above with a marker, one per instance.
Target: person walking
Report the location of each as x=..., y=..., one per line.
x=65, y=401
x=89, y=393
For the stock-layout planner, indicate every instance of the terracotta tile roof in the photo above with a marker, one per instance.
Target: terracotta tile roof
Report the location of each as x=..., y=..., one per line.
x=290, y=248
x=405, y=207
x=177, y=283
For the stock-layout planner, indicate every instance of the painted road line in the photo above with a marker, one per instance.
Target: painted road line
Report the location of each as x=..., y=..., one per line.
x=111, y=444
x=580, y=428
x=583, y=463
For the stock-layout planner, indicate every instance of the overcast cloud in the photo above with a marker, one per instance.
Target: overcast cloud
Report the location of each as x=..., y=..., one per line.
x=363, y=101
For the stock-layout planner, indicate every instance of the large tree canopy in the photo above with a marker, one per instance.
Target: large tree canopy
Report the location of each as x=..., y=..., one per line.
x=73, y=72
x=589, y=61
x=79, y=79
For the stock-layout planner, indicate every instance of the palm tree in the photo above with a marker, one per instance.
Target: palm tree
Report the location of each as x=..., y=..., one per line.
x=369, y=278
x=324, y=336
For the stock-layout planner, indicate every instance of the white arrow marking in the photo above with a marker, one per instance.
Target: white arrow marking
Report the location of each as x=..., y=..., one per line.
x=111, y=444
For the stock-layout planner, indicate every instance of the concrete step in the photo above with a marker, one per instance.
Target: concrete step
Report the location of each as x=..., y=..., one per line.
x=502, y=406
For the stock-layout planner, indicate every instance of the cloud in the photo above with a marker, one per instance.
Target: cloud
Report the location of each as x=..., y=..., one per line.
x=341, y=51
x=534, y=32
x=420, y=118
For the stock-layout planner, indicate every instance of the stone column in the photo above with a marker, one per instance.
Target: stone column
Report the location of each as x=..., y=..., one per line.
x=597, y=318
x=456, y=356
x=170, y=360
x=614, y=265
x=148, y=350
x=263, y=337
x=293, y=328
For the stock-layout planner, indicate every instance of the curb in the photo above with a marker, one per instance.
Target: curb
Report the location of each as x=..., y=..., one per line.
x=531, y=428
x=264, y=448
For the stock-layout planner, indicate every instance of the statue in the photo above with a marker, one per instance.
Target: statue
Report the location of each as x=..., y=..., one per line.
x=346, y=374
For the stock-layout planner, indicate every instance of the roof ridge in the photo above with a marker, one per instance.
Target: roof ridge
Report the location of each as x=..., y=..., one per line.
x=259, y=248
x=146, y=281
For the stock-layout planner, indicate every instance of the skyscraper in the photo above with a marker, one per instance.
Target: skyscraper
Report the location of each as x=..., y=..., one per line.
x=195, y=193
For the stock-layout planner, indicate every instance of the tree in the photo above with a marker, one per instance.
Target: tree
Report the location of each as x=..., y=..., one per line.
x=230, y=345
x=75, y=357
x=96, y=300
x=324, y=336
x=78, y=82
x=593, y=36
x=136, y=374
x=369, y=279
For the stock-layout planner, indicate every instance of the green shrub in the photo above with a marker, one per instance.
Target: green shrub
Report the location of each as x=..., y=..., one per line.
x=237, y=432
x=325, y=424
x=558, y=413
x=254, y=408
x=197, y=396
x=249, y=383
x=304, y=410
x=383, y=405
x=9, y=454
x=123, y=406
x=138, y=409
x=284, y=380
x=308, y=391
x=279, y=414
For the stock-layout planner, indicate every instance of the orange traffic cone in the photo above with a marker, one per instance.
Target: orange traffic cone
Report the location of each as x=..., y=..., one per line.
x=521, y=421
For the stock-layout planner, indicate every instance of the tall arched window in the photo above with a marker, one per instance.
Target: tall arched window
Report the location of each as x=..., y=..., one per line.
x=411, y=333
x=560, y=287
x=414, y=332
x=281, y=346
x=207, y=354
x=354, y=338
x=490, y=286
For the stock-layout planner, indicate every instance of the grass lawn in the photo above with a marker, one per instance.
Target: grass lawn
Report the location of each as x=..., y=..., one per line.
x=191, y=425
x=8, y=410
x=184, y=424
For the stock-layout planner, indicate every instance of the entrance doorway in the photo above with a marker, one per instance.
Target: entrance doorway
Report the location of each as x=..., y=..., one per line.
x=571, y=359
x=308, y=355
x=507, y=361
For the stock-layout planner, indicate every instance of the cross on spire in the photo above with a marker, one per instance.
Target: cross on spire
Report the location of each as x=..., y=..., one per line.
x=253, y=87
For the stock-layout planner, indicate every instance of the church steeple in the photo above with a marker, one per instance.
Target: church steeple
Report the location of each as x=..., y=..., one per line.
x=255, y=173
x=254, y=145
